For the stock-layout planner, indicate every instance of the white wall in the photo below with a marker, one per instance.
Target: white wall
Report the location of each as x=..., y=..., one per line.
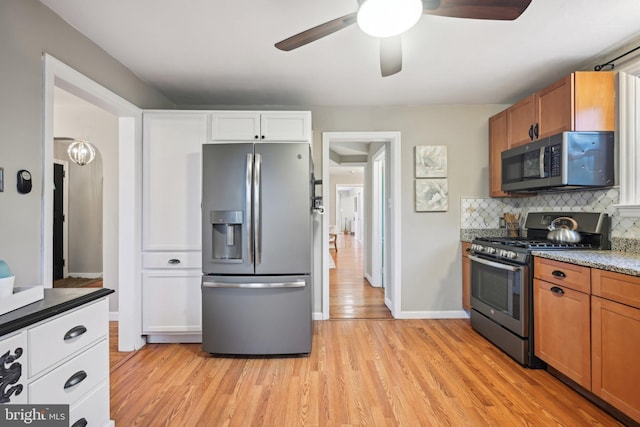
x=431, y=264
x=27, y=29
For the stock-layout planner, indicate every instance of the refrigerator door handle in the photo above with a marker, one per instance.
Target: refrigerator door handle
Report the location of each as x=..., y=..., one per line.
x=259, y=285
x=248, y=207
x=257, y=206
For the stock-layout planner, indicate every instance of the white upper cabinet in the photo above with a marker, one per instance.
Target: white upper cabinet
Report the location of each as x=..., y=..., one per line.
x=172, y=147
x=273, y=126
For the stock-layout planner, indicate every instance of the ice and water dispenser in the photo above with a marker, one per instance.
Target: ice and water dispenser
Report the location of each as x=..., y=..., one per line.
x=227, y=234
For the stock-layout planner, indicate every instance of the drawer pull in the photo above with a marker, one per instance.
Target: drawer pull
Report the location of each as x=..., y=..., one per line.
x=557, y=290
x=76, y=331
x=174, y=261
x=82, y=422
x=558, y=273
x=75, y=379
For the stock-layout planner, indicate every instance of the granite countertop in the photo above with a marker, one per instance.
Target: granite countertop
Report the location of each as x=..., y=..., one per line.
x=618, y=261
x=55, y=301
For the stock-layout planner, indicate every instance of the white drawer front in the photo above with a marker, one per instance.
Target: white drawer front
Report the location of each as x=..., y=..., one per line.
x=14, y=362
x=172, y=260
x=50, y=389
x=47, y=343
x=94, y=408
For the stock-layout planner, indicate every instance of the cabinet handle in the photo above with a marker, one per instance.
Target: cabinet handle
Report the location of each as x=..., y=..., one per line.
x=75, y=379
x=531, y=132
x=255, y=137
x=535, y=131
x=262, y=137
x=558, y=273
x=76, y=331
x=82, y=422
x=557, y=290
x=174, y=261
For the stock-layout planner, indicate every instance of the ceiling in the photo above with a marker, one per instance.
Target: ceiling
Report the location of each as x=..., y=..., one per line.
x=214, y=52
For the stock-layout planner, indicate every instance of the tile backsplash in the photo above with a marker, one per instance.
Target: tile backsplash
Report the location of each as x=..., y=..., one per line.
x=479, y=213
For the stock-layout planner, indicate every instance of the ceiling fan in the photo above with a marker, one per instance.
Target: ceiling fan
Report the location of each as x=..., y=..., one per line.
x=388, y=19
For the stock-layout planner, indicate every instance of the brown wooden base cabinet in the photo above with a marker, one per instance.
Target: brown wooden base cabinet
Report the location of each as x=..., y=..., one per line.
x=587, y=327
x=466, y=276
x=562, y=325
x=615, y=328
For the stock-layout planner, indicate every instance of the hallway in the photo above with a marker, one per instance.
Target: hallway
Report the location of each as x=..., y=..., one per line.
x=351, y=295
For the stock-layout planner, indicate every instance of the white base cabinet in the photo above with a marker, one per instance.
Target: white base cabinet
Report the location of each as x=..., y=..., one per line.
x=61, y=360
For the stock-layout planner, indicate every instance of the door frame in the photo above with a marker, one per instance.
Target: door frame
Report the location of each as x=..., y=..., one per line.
x=58, y=74
x=377, y=278
x=392, y=140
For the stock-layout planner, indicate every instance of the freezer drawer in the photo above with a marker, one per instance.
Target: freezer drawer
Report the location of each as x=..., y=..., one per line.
x=257, y=315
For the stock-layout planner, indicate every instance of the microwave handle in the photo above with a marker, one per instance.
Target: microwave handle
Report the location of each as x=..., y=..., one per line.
x=541, y=162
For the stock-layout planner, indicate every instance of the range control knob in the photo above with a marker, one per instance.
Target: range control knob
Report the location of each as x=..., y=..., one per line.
x=511, y=255
x=490, y=250
x=476, y=247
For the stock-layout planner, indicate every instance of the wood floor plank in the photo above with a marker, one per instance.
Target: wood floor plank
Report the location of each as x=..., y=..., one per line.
x=360, y=372
x=350, y=294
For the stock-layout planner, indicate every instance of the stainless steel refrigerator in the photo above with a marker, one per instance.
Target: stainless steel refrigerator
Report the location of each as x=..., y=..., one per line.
x=256, y=248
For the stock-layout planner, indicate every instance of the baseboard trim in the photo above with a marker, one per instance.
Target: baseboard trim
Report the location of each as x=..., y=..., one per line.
x=443, y=314
x=114, y=316
x=86, y=275
x=370, y=280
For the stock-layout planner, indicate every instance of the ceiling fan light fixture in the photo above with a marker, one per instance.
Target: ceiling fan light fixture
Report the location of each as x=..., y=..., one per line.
x=388, y=18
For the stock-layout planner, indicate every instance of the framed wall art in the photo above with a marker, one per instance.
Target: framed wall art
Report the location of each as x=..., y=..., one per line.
x=431, y=161
x=431, y=195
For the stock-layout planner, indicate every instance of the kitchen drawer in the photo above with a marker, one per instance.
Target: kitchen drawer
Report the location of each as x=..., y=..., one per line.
x=572, y=276
x=172, y=260
x=617, y=287
x=93, y=408
x=82, y=327
x=14, y=362
x=50, y=389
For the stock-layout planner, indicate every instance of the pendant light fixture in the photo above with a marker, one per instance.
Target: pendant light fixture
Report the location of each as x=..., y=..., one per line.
x=81, y=152
x=388, y=18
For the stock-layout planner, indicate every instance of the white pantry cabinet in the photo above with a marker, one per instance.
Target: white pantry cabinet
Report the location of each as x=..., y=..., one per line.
x=172, y=164
x=272, y=126
x=171, y=242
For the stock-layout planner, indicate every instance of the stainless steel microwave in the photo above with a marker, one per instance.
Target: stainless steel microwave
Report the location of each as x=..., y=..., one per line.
x=570, y=160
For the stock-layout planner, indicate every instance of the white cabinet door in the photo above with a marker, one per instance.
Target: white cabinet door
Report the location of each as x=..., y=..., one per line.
x=235, y=126
x=13, y=360
x=286, y=126
x=273, y=126
x=171, y=301
x=172, y=180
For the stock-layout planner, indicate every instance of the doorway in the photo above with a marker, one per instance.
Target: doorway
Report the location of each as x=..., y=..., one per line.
x=81, y=250
x=126, y=308
x=390, y=245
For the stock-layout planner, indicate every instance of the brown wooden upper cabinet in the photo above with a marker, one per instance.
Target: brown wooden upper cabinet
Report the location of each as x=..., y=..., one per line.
x=497, y=144
x=582, y=101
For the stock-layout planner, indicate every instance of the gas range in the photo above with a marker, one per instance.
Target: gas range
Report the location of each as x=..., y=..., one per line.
x=502, y=279
x=517, y=249
x=593, y=228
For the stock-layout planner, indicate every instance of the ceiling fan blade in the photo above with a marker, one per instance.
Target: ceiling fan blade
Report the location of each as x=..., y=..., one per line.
x=503, y=10
x=390, y=55
x=316, y=33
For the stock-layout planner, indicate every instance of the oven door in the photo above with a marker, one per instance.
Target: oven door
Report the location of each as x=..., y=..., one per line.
x=500, y=292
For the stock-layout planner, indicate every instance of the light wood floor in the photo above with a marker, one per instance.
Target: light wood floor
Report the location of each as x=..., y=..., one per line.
x=350, y=294
x=360, y=372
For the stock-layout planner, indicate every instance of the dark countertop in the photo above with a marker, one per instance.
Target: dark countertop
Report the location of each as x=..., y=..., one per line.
x=618, y=261
x=55, y=301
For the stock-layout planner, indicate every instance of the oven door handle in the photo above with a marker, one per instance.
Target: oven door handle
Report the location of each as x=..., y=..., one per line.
x=494, y=264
